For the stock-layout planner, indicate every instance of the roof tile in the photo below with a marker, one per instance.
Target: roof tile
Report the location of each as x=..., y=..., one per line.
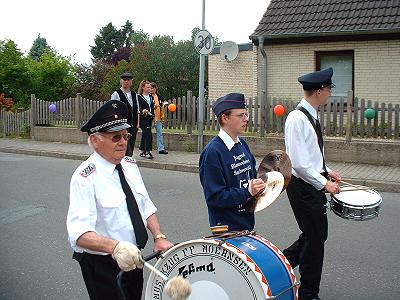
x=299, y=16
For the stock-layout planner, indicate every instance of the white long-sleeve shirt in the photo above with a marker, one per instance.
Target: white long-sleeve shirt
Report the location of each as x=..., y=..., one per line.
x=302, y=146
x=97, y=201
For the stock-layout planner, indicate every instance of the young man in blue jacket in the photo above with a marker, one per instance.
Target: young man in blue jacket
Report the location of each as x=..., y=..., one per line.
x=228, y=169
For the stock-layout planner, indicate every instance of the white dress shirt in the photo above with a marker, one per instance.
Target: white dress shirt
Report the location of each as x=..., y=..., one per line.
x=115, y=96
x=302, y=146
x=226, y=138
x=97, y=201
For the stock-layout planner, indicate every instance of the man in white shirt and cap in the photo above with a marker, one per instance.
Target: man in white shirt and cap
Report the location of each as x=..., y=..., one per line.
x=311, y=178
x=110, y=209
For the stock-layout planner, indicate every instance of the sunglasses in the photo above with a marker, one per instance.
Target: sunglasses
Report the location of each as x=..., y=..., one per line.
x=242, y=115
x=117, y=137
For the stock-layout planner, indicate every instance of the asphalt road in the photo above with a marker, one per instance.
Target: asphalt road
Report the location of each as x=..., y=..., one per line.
x=361, y=260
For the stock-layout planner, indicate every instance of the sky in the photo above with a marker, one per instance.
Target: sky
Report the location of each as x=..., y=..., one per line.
x=70, y=26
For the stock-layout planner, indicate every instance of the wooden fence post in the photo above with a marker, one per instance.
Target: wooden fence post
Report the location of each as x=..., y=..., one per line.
x=349, y=115
x=33, y=116
x=77, y=110
x=189, y=96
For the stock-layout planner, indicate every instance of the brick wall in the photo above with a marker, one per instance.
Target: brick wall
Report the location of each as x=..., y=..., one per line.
x=376, y=68
x=239, y=75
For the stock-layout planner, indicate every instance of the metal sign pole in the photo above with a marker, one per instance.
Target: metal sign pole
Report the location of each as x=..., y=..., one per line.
x=200, y=120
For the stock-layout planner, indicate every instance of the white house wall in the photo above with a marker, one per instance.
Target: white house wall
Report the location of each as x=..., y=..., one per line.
x=376, y=68
x=239, y=75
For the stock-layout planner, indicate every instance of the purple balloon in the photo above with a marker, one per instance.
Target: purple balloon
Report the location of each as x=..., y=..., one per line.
x=52, y=107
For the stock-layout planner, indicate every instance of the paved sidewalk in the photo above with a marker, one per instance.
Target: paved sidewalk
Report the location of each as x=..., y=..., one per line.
x=382, y=178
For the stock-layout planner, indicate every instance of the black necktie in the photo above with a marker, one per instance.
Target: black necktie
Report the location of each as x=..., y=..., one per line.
x=136, y=218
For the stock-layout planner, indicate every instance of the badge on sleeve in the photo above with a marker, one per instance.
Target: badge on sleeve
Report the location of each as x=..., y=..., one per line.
x=130, y=160
x=88, y=170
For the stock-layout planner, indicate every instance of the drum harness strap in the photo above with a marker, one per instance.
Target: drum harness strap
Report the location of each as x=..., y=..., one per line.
x=317, y=127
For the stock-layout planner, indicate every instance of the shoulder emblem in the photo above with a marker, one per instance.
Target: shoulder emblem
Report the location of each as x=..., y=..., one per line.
x=130, y=160
x=88, y=170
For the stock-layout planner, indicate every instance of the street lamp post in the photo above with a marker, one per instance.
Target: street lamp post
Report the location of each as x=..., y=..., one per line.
x=200, y=121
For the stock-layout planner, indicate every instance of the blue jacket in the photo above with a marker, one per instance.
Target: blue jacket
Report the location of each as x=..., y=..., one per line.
x=224, y=176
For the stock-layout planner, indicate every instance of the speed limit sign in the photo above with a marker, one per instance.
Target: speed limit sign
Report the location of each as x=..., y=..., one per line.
x=204, y=42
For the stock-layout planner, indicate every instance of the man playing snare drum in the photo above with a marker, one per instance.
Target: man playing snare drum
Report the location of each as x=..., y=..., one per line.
x=228, y=169
x=309, y=182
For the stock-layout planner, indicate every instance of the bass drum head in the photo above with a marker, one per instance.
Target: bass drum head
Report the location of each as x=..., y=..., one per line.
x=214, y=270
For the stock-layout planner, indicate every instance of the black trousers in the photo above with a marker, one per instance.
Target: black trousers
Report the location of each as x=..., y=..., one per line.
x=131, y=143
x=147, y=138
x=308, y=205
x=100, y=275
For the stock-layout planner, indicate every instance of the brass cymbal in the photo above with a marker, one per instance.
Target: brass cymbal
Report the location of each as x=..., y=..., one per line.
x=274, y=182
x=279, y=161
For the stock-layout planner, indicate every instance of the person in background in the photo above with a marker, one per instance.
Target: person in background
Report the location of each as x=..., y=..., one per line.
x=110, y=209
x=227, y=168
x=146, y=109
x=311, y=178
x=129, y=97
x=159, y=109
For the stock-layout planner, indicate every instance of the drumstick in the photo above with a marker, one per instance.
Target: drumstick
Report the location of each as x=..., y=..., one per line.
x=356, y=189
x=154, y=270
x=177, y=288
x=353, y=185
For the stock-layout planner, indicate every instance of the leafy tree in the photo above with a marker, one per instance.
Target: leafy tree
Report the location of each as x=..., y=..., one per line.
x=14, y=77
x=121, y=54
x=6, y=103
x=90, y=80
x=38, y=47
x=51, y=75
x=110, y=40
x=173, y=66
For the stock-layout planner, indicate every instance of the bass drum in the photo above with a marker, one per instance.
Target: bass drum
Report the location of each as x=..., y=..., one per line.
x=233, y=268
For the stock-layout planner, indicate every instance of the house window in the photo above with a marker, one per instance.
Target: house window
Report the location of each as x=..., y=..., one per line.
x=343, y=70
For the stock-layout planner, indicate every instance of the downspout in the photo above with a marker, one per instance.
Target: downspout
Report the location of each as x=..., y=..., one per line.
x=262, y=89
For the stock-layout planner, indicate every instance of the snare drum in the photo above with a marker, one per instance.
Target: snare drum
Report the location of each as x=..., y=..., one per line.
x=358, y=205
x=240, y=267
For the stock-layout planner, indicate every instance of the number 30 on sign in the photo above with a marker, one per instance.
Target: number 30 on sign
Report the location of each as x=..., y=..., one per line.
x=204, y=42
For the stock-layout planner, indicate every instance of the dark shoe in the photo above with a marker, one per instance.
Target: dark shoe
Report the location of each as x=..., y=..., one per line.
x=163, y=152
x=149, y=155
x=142, y=154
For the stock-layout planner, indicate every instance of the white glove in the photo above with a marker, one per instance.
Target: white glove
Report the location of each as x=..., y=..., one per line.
x=128, y=256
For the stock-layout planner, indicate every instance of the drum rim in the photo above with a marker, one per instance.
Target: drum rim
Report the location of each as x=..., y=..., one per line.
x=376, y=204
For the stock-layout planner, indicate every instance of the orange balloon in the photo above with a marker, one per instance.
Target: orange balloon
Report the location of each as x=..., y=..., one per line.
x=172, y=107
x=279, y=110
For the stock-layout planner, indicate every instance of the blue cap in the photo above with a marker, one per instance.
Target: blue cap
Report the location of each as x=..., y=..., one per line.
x=110, y=117
x=316, y=80
x=230, y=101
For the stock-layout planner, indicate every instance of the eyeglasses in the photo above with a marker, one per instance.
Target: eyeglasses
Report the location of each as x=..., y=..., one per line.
x=243, y=115
x=117, y=137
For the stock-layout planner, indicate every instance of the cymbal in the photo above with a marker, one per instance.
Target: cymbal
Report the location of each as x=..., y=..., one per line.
x=277, y=160
x=274, y=182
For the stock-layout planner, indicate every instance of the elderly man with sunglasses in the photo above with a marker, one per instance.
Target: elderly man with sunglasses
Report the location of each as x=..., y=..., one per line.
x=110, y=209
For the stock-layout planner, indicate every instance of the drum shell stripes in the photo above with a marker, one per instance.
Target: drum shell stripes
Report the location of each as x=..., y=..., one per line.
x=356, y=205
x=240, y=267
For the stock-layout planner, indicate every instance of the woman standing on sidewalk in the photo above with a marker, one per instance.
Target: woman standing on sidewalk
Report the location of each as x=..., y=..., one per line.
x=159, y=108
x=146, y=109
